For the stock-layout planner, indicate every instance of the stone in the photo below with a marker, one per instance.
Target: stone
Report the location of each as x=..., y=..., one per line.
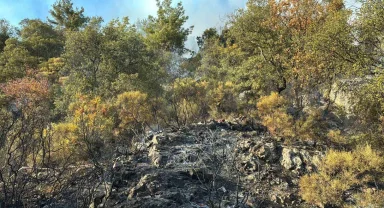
x=277, y=199
x=290, y=159
x=146, y=184
x=150, y=202
x=159, y=139
x=266, y=152
x=102, y=192
x=158, y=159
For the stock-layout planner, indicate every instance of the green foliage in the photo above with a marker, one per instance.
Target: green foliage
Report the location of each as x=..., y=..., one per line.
x=52, y=68
x=208, y=34
x=166, y=31
x=311, y=126
x=83, y=55
x=66, y=141
x=15, y=60
x=110, y=82
x=369, y=109
x=125, y=54
x=90, y=127
x=188, y=101
x=223, y=102
x=64, y=15
x=99, y=59
x=6, y=32
x=41, y=39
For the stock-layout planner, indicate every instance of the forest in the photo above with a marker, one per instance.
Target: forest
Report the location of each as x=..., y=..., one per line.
x=74, y=88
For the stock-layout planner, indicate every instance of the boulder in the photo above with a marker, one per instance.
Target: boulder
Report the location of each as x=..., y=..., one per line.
x=267, y=152
x=158, y=158
x=102, y=192
x=290, y=159
x=159, y=139
x=147, y=186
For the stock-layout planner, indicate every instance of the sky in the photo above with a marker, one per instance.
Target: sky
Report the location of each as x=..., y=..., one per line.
x=202, y=14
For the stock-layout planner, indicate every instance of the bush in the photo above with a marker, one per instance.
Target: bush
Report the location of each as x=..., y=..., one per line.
x=336, y=137
x=188, y=101
x=65, y=141
x=133, y=111
x=223, y=102
x=340, y=172
x=272, y=111
x=309, y=126
x=93, y=126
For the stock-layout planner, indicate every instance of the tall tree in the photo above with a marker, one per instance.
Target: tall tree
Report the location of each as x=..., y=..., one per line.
x=64, y=15
x=369, y=30
x=6, y=31
x=166, y=31
x=83, y=55
x=126, y=55
x=15, y=60
x=207, y=34
x=41, y=39
x=279, y=45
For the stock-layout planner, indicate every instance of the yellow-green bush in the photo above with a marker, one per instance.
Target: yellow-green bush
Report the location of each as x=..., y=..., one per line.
x=311, y=125
x=133, y=110
x=65, y=141
x=272, y=111
x=336, y=136
x=223, y=101
x=189, y=100
x=89, y=119
x=341, y=171
x=370, y=197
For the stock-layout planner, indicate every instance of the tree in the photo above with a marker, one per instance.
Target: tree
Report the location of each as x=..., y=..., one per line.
x=369, y=33
x=187, y=101
x=93, y=130
x=65, y=16
x=24, y=140
x=6, y=32
x=275, y=44
x=83, y=55
x=166, y=31
x=210, y=33
x=15, y=60
x=125, y=55
x=41, y=39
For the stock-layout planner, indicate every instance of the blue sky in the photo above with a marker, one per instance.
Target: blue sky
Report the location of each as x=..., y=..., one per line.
x=202, y=13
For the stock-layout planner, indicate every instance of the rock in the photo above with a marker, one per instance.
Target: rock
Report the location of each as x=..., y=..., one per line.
x=122, y=150
x=277, y=199
x=147, y=185
x=245, y=145
x=149, y=202
x=159, y=139
x=158, y=159
x=174, y=196
x=175, y=167
x=266, y=152
x=102, y=192
x=290, y=159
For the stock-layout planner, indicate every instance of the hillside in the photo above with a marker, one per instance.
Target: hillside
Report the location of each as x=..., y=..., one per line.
x=282, y=106
x=209, y=165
